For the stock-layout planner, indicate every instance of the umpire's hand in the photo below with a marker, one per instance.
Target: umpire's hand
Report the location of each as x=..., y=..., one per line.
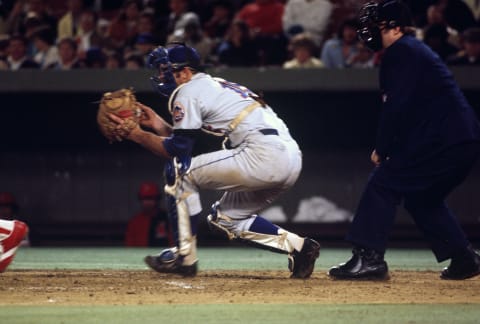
x=375, y=158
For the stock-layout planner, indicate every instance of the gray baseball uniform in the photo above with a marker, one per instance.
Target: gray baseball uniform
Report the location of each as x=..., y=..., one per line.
x=263, y=161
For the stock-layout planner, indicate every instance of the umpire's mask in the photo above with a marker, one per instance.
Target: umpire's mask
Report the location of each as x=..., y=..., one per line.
x=386, y=14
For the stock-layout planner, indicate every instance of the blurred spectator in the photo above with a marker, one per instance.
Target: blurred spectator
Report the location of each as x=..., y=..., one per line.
x=179, y=17
x=474, y=6
x=304, y=49
x=89, y=37
x=312, y=16
x=24, y=10
x=457, y=14
x=471, y=52
x=123, y=28
x=264, y=18
x=4, y=40
x=103, y=27
x=67, y=56
x=46, y=51
x=134, y=62
x=9, y=211
x=217, y=25
x=436, y=37
x=32, y=23
x=364, y=58
x=144, y=44
x=337, y=52
x=238, y=49
x=115, y=38
x=95, y=58
x=149, y=227
x=8, y=206
x=419, y=11
x=69, y=23
x=114, y=61
x=436, y=16
x=17, y=54
x=193, y=36
x=130, y=16
x=146, y=25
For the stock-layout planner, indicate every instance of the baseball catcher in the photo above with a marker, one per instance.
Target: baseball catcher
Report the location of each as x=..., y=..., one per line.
x=260, y=162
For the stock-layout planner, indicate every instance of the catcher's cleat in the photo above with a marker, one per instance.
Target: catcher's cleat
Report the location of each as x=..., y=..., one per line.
x=301, y=263
x=168, y=261
x=11, y=243
x=365, y=264
x=463, y=266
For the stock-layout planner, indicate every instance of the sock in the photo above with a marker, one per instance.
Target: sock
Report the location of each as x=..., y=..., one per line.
x=261, y=225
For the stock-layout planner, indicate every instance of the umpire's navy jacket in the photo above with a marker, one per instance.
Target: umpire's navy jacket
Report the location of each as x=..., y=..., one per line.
x=424, y=114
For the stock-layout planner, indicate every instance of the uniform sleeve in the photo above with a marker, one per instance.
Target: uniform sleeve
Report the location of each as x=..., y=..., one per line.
x=186, y=113
x=398, y=81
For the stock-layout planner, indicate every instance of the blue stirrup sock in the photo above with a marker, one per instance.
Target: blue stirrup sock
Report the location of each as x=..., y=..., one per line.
x=261, y=225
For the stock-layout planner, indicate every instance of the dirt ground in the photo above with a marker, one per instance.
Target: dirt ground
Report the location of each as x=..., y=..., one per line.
x=50, y=287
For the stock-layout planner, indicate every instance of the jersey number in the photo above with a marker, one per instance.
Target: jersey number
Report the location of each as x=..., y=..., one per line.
x=241, y=90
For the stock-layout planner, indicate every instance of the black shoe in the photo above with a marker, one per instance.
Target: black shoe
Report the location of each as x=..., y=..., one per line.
x=365, y=264
x=168, y=261
x=301, y=263
x=463, y=266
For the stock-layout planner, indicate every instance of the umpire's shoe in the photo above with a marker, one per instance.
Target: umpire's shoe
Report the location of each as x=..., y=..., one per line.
x=463, y=265
x=168, y=261
x=301, y=263
x=365, y=264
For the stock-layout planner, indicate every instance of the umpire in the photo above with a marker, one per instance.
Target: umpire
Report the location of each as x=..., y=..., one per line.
x=428, y=139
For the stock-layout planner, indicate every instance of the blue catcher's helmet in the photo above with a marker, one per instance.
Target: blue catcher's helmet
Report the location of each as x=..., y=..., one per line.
x=169, y=60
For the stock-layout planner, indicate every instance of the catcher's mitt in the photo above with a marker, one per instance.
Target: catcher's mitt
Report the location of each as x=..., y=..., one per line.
x=121, y=103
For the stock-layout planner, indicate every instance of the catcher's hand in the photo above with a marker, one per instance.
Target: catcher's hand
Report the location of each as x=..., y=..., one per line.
x=122, y=104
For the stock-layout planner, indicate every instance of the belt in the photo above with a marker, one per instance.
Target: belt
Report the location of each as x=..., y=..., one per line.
x=268, y=131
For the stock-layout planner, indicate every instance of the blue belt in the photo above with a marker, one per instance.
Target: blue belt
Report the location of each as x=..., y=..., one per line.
x=268, y=131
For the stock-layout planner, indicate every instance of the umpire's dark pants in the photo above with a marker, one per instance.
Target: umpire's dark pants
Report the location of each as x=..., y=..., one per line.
x=423, y=191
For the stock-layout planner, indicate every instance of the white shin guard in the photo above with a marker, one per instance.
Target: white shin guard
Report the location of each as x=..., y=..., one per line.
x=284, y=242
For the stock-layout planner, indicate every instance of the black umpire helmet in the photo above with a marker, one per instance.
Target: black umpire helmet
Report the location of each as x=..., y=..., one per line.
x=383, y=14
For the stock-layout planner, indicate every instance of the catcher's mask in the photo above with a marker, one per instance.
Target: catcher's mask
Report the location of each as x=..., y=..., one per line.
x=166, y=61
x=373, y=17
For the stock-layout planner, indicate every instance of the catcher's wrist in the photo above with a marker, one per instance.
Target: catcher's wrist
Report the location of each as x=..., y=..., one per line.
x=163, y=128
x=136, y=135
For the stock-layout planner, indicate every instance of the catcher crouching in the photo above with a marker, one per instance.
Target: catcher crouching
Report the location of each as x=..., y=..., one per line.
x=259, y=162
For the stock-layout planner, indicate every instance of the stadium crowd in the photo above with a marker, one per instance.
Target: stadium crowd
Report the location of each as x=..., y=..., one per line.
x=111, y=34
